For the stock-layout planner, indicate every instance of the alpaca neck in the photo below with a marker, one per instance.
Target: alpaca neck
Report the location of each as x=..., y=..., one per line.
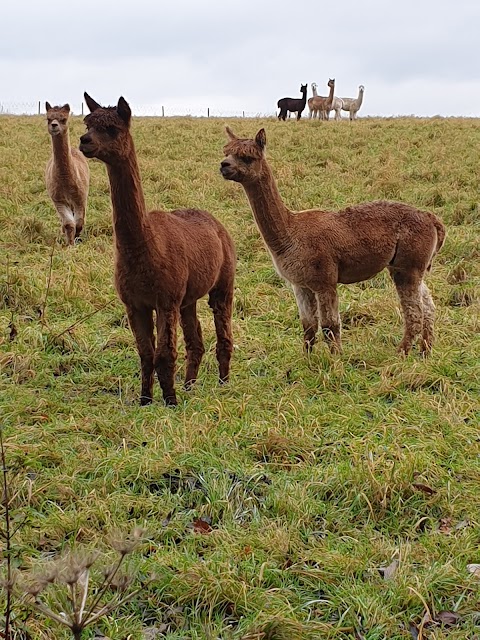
x=360, y=98
x=129, y=211
x=61, y=153
x=271, y=215
x=330, y=95
x=314, y=91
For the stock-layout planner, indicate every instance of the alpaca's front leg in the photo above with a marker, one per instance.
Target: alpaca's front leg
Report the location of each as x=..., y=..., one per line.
x=327, y=300
x=166, y=353
x=67, y=219
x=79, y=220
x=308, y=311
x=141, y=323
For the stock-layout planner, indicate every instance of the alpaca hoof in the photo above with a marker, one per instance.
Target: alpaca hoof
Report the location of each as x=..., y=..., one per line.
x=223, y=381
x=170, y=401
x=144, y=400
x=78, y=240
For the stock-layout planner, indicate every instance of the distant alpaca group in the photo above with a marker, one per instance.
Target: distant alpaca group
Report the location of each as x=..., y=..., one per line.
x=166, y=261
x=321, y=106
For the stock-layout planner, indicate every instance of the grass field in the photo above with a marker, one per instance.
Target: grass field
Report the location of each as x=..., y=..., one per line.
x=311, y=472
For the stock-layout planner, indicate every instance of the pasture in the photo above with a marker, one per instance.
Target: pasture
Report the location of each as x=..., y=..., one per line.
x=271, y=504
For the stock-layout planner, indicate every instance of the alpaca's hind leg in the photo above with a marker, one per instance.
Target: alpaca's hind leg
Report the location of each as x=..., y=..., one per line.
x=141, y=324
x=327, y=300
x=166, y=353
x=67, y=219
x=426, y=340
x=409, y=291
x=220, y=301
x=308, y=311
x=192, y=333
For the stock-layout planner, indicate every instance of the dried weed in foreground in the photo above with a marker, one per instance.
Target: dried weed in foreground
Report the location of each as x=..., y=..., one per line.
x=71, y=604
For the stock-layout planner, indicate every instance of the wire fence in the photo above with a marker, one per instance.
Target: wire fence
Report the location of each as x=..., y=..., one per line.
x=154, y=110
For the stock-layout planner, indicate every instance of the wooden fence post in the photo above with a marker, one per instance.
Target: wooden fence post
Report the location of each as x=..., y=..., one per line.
x=82, y=108
x=39, y=107
x=163, y=112
x=208, y=112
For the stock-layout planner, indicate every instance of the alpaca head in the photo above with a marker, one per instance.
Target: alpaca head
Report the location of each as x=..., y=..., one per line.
x=244, y=157
x=303, y=88
x=361, y=88
x=314, y=86
x=108, y=137
x=331, y=83
x=57, y=119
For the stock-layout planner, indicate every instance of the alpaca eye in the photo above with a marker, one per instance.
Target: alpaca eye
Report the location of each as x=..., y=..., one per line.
x=248, y=160
x=112, y=131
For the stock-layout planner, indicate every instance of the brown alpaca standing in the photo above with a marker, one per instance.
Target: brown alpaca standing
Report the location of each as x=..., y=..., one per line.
x=164, y=262
x=67, y=175
x=322, y=104
x=315, y=250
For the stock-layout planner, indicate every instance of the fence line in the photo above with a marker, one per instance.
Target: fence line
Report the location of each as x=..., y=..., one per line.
x=38, y=108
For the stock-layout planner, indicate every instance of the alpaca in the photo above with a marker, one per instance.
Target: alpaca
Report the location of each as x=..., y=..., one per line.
x=353, y=104
x=67, y=175
x=337, y=105
x=323, y=105
x=315, y=250
x=294, y=105
x=312, y=110
x=164, y=262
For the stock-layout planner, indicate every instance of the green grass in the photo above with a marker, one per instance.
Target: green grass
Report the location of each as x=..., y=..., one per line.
x=315, y=471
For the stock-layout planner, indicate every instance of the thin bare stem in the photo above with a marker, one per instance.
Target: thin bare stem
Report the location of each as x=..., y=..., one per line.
x=8, y=538
x=104, y=587
x=72, y=326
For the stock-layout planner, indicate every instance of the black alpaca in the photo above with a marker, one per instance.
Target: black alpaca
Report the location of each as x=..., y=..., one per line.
x=293, y=104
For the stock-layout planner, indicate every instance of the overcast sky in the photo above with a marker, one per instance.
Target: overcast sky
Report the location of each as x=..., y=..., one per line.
x=414, y=57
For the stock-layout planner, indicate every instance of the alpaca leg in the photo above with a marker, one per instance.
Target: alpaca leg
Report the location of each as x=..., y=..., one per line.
x=67, y=218
x=409, y=291
x=166, y=353
x=426, y=340
x=192, y=333
x=141, y=324
x=221, y=303
x=308, y=311
x=79, y=220
x=327, y=300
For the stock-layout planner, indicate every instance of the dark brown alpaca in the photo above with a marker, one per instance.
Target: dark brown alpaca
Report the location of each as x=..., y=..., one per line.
x=294, y=105
x=164, y=261
x=315, y=250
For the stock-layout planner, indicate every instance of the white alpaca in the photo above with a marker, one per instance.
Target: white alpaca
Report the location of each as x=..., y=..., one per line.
x=337, y=105
x=353, y=104
x=311, y=102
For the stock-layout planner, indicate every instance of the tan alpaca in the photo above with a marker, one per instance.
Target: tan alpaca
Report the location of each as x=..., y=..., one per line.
x=323, y=105
x=315, y=250
x=165, y=261
x=67, y=175
x=352, y=105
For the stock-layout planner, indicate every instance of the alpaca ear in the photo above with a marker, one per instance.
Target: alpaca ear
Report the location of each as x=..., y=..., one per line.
x=48, y=106
x=230, y=133
x=66, y=107
x=91, y=104
x=123, y=110
x=261, y=139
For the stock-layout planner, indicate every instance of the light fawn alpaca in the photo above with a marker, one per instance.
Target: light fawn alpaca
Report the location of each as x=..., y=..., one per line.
x=67, y=175
x=323, y=105
x=164, y=261
x=315, y=250
x=352, y=105
x=337, y=104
